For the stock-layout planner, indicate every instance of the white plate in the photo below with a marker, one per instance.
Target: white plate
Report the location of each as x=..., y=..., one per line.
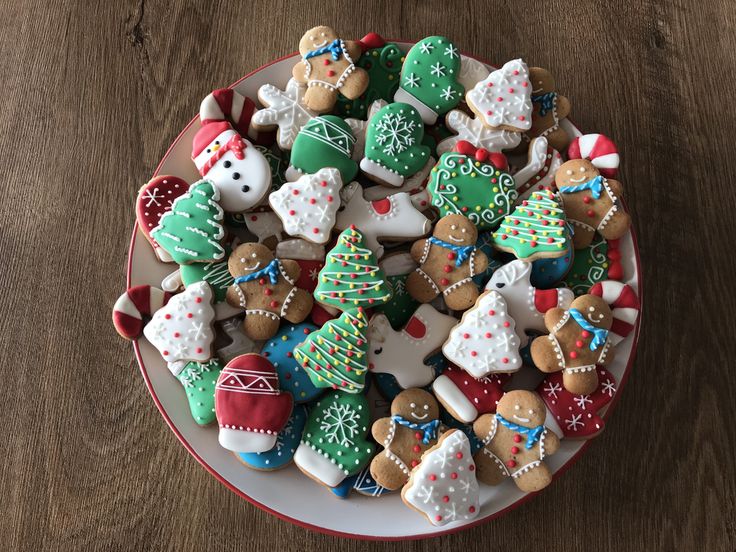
x=287, y=493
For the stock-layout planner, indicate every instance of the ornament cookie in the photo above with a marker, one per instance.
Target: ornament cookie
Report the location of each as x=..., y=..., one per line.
x=448, y=260
x=503, y=99
x=192, y=231
x=328, y=67
x=525, y=303
x=465, y=397
x=485, y=340
x=444, y=487
x=250, y=408
x=535, y=230
x=472, y=182
x=403, y=354
x=474, y=131
x=264, y=286
x=392, y=219
x=199, y=380
x=516, y=443
x=591, y=202
x=577, y=342
x=133, y=306
x=549, y=109
x=599, y=149
x=154, y=199
x=539, y=172
x=308, y=207
x=401, y=307
x=393, y=145
x=334, y=444
x=408, y=433
x=335, y=356
x=287, y=440
x=429, y=78
x=285, y=110
x=325, y=141
x=624, y=304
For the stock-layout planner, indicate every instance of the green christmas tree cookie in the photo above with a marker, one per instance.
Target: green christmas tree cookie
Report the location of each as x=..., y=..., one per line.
x=336, y=355
x=351, y=277
x=535, y=230
x=216, y=274
x=383, y=65
x=192, y=230
x=429, y=78
x=325, y=141
x=589, y=266
x=199, y=379
x=393, y=145
x=472, y=182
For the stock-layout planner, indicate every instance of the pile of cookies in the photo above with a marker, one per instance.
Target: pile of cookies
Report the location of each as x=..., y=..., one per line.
x=410, y=226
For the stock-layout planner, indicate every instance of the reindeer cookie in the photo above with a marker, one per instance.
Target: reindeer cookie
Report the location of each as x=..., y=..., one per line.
x=405, y=436
x=328, y=67
x=549, y=108
x=515, y=442
x=577, y=341
x=448, y=260
x=265, y=287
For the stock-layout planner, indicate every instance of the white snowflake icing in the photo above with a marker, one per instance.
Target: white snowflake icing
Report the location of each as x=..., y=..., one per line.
x=608, y=387
x=425, y=493
x=438, y=70
x=152, y=197
x=426, y=47
x=552, y=389
x=198, y=330
x=412, y=80
x=574, y=422
x=448, y=93
x=582, y=400
x=451, y=51
x=314, y=274
x=341, y=424
x=395, y=133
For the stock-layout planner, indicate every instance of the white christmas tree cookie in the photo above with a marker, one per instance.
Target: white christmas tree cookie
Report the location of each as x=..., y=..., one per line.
x=503, y=98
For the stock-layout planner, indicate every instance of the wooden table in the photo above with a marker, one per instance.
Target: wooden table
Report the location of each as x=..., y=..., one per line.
x=97, y=93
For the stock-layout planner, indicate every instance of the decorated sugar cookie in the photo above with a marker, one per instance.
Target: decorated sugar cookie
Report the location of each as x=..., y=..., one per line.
x=412, y=185
x=325, y=141
x=444, y=486
x=429, y=78
x=308, y=207
x=198, y=380
x=472, y=182
x=548, y=272
x=335, y=356
x=471, y=72
x=285, y=110
x=278, y=162
x=539, y=172
x=484, y=244
x=287, y=441
x=192, y=231
x=351, y=277
x=465, y=397
x=334, y=444
x=309, y=256
x=134, y=306
x=503, y=98
x=535, y=229
x=154, y=199
x=599, y=149
x=360, y=126
x=225, y=104
x=401, y=307
x=624, y=303
x=590, y=265
x=479, y=135
x=485, y=341
x=393, y=145
x=549, y=109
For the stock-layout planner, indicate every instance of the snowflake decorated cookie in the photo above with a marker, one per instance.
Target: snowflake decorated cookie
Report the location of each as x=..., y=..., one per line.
x=474, y=131
x=285, y=110
x=429, y=78
x=154, y=199
x=287, y=441
x=335, y=440
x=444, y=487
x=308, y=207
x=325, y=141
x=503, y=98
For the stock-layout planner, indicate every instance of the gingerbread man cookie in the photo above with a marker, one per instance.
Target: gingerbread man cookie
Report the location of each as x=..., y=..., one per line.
x=265, y=287
x=448, y=261
x=549, y=109
x=515, y=442
x=328, y=67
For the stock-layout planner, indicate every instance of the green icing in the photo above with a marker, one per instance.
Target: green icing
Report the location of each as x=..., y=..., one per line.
x=338, y=428
x=325, y=141
x=402, y=305
x=589, y=266
x=460, y=184
x=351, y=276
x=192, y=230
x=199, y=381
x=537, y=226
x=278, y=162
x=216, y=274
x=336, y=355
x=393, y=139
x=430, y=74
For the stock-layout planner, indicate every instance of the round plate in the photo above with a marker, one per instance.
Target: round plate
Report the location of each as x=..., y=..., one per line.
x=288, y=493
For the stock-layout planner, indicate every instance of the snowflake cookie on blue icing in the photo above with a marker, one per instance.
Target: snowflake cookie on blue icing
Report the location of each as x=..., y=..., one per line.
x=279, y=351
x=286, y=442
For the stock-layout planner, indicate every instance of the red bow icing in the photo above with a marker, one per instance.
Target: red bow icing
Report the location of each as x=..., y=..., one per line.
x=498, y=160
x=235, y=144
x=371, y=40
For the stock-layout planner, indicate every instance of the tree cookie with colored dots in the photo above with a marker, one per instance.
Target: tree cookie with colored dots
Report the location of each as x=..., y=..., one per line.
x=325, y=141
x=503, y=99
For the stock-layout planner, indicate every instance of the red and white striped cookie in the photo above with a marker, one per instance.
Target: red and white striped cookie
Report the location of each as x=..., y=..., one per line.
x=225, y=104
x=624, y=304
x=135, y=304
x=599, y=150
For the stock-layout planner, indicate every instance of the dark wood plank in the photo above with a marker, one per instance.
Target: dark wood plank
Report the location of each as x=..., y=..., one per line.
x=94, y=95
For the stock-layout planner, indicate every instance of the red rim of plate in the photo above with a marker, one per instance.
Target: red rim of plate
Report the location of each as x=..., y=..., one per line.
x=323, y=530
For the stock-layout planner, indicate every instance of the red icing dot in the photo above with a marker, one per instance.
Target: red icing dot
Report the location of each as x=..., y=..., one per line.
x=472, y=508
x=444, y=281
x=295, y=192
x=451, y=256
x=312, y=201
x=579, y=344
x=274, y=304
x=590, y=213
x=326, y=61
x=511, y=463
x=445, y=498
x=471, y=467
x=505, y=360
x=165, y=353
x=267, y=291
x=167, y=316
x=418, y=435
x=323, y=183
x=522, y=118
x=506, y=324
x=315, y=230
x=585, y=333
x=491, y=312
x=586, y=199
x=190, y=315
x=447, y=268
x=330, y=73
x=573, y=354
x=416, y=448
x=489, y=335
x=473, y=353
x=261, y=281
x=514, y=450
x=198, y=300
x=466, y=335
x=432, y=477
x=459, y=455
x=414, y=463
x=199, y=350
x=499, y=99
x=438, y=518
x=516, y=71
x=177, y=334
x=453, y=475
x=517, y=438
x=292, y=212
x=329, y=199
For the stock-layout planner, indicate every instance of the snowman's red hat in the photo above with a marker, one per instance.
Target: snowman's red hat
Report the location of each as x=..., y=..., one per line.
x=208, y=134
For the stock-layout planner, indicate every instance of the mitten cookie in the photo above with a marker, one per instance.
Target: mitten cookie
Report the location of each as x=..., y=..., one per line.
x=405, y=436
x=328, y=67
x=154, y=199
x=465, y=397
x=577, y=341
x=549, y=109
x=515, y=442
x=325, y=141
x=591, y=202
x=448, y=260
x=264, y=286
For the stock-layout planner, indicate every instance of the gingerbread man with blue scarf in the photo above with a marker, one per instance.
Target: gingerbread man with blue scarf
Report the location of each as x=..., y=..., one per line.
x=265, y=287
x=577, y=342
x=515, y=443
x=328, y=67
x=448, y=260
x=548, y=109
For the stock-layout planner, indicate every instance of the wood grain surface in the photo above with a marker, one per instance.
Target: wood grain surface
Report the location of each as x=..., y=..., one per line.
x=94, y=92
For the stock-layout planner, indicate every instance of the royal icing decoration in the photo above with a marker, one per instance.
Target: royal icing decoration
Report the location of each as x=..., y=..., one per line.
x=472, y=72
x=308, y=207
x=309, y=256
x=154, y=199
x=466, y=397
x=624, y=304
x=279, y=351
x=325, y=141
x=402, y=354
x=485, y=340
x=285, y=109
x=474, y=131
x=287, y=441
x=358, y=127
x=415, y=184
x=198, y=380
x=133, y=306
x=444, y=487
x=599, y=150
x=225, y=104
x=503, y=98
x=590, y=265
x=539, y=172
x=547, y=272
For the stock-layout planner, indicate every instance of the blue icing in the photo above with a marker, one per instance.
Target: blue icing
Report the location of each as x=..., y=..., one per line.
x=286, y=443
x=389, y=388
x=292, y=377
x=548, y=272
x=366, y=485
x=467, y=429
x=485, y=244
x=344, y=488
